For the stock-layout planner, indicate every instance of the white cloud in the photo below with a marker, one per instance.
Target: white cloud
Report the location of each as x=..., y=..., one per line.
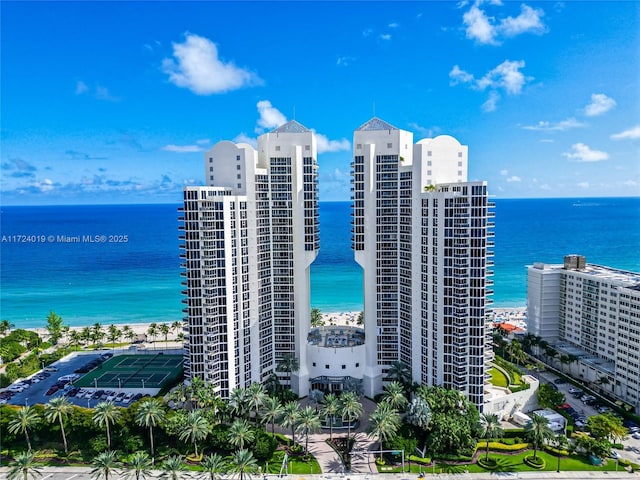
x=182, y=148
x=600, y=104
x=514, y=178
x=457, y=75
x=632, y=133
x=244, y=138
x=102, y=93
x=478, y=26
x=583, y=153
x=630, y=183
x=504, y=172
x=529, y=20
x=393, y=25
x=545, y=126
x=547, y=140
x=203, y=141
x=486, y=30
x=326, y=145
x=81, y=87
x=507, y=75
x=344, y=61
x=545, y=186
x=270, y=117
x=492, y=102
x=366, y=32
x=583, y=184
x=424, y=131
x=196, y=66
x=385, y=36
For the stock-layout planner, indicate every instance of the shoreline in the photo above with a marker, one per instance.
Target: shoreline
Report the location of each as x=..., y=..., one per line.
x=506, y=314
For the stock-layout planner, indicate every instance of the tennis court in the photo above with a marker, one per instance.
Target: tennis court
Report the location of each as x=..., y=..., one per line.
x=134, y=371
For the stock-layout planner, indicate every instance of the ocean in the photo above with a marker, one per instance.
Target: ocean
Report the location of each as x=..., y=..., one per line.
x=124, y=268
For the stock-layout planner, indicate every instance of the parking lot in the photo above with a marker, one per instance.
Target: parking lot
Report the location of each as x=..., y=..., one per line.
x=631, y=444
x=40, y=390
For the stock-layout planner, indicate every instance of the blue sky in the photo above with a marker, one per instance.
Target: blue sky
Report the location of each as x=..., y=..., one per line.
x=115, y=102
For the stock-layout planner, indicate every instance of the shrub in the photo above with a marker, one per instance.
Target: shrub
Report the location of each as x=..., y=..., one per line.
x=421, y=460
x=537, y=463
x=487, y=464
x=264, y=446
x=556, y=451
x=501, y=447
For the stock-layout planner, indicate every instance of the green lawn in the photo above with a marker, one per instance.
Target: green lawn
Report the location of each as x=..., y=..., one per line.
x=498, y=378
x=511, y=463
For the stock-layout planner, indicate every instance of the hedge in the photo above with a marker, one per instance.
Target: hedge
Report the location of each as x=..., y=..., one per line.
x=501, y=447
x=556, y=451
x=425, y=460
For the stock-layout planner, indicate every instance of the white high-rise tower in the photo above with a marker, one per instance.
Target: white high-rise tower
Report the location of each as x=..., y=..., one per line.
x=250, y=237
x=422, y=234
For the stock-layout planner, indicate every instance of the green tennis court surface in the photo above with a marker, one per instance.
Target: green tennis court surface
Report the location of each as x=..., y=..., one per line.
x=134, y=371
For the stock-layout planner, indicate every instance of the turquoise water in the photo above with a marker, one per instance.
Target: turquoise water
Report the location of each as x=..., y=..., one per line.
x=139, y=280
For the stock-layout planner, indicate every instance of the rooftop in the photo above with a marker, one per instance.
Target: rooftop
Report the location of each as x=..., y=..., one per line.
x=291, y=127
x=375, y=124
x=336, y=336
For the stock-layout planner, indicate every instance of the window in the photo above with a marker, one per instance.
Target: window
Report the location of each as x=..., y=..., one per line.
x=429, y=154
x=359, y=146
x=211, y=169
x=460, y=163
x=389, y=145
x=238, y=176
x=357, y=365
x=239, y=185
x=277, y=148
x=459, y=173
x=237, y=157
x=459, y=154
x=428, y=172
x=210, y=177
x=314, y=364
x=344, y=367
x=238, y=167
x=327, y=366
x=210, y=160
x=307, y=147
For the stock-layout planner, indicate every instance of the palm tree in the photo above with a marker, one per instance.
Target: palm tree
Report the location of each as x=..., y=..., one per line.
x=150, y=414
x=490, y=427
x=571, y=359
x=384, y=423
x=96, y=332
x=400, y=372
x=256, y=396
x=5, y=327
x=308, y=423
x=213, y=465
x=240, y=433
x=238, y=402
x=164, y=330
x=288, y=364
x=128, y=333
x=152, y=331
x=330, y=410
x=140, y=465
x=243, y=462
x=538, y=431
x=395, y=396
x=176, y=327
x=290, y=414
x=105, y=414
x=172, y=467
x=271, y=411
x=85, y=334
x=564, y=360
x=104, y=465
x=114, y=334
x=23, y=467
x=351, y=409
x=24, y=420
x=316, y=317
x=195, y=428
x=75, y=337
x=550, y=353
x=58, y=409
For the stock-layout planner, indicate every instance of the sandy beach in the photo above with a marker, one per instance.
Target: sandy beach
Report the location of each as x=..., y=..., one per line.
x=509, y=315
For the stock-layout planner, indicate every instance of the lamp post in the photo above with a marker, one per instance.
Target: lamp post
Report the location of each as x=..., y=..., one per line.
x=142, y=382
x=119, y=384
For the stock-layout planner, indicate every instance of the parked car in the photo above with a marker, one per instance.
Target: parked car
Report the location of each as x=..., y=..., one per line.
x=52, y=390
x=614, y=454
x=127, y=398
x=574, y=390
x=97, y=394
x=554, y=387
x=120, y=396
x=559, y=381
x=51, y=368
x=636, y=435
